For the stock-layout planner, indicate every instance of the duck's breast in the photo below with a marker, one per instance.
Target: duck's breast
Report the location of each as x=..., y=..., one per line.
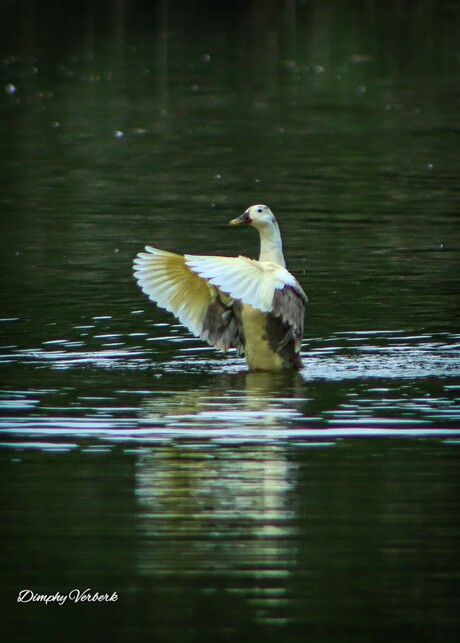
x=259, y=353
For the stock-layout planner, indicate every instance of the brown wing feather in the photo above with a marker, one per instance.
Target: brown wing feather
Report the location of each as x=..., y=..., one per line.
x=222, y=326
x=285, y=323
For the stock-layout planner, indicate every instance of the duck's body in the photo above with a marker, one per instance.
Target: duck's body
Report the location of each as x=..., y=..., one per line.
x=258, y=352
x=254, y=306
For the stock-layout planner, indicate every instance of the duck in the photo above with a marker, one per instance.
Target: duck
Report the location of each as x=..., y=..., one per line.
x=254, y=305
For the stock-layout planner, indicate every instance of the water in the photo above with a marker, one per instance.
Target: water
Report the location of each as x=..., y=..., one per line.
x=217, y=503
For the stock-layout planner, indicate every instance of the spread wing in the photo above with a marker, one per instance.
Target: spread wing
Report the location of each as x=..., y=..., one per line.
x=265, y=285
x=253, y=282
x=202, y=307
x=289, y=311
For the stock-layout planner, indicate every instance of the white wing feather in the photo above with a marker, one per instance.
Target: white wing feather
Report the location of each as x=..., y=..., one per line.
x=165, y=278
x=253, y=282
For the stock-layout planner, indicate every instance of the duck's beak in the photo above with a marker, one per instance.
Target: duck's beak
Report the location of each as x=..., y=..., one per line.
x=244, y=218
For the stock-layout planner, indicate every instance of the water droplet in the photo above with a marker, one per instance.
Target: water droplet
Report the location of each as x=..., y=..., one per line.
x=429, y=166
x=205, y=58
x=218, y=177
x=55, y=124
x=360, y=58
x=10, y=88
x=361, y=89
x=118, y=133
x=195, y=88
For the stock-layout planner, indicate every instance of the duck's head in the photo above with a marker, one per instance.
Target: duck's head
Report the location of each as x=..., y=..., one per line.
x=257, y=215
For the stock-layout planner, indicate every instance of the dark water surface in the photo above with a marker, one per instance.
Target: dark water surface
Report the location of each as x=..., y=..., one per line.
x=218, y=504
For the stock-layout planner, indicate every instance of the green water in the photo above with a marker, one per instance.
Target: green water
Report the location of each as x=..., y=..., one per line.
x=220, y=504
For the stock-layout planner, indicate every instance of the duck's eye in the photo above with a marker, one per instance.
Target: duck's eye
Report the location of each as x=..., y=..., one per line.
x=259, y=209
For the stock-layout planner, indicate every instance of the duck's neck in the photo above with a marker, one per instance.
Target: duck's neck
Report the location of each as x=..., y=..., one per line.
x=271, y=246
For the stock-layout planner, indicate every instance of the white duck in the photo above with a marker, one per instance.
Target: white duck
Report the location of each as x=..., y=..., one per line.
x=255, y=306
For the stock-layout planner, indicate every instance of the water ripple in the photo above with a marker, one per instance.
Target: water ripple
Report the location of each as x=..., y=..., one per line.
x=172, y=387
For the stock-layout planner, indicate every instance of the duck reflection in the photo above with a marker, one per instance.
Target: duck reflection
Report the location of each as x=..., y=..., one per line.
x=208, y=508
x=212, y=513
x=231, y=404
